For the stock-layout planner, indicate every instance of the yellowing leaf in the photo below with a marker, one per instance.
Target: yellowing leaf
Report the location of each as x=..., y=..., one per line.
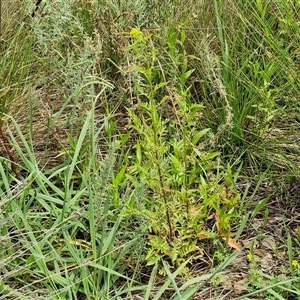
x=81, y=243
x=224, y=233
x=205, y=235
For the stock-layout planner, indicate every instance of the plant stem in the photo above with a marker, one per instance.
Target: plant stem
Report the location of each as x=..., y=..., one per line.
x=157, y=159
x=164, y=196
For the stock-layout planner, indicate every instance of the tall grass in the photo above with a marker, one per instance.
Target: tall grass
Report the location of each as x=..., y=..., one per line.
x=246, y=66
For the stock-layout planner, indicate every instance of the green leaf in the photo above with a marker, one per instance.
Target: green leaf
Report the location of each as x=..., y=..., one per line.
x=198, y=135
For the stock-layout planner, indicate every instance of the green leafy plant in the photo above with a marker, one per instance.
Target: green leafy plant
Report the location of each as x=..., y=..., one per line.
x=183, y=178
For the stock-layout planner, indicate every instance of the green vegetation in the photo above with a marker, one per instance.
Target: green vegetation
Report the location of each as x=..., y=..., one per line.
x=149, y=151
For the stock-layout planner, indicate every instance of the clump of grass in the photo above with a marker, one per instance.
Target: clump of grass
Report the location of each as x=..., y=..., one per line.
x=244, y=74
x=16, y=60
x=60, y=236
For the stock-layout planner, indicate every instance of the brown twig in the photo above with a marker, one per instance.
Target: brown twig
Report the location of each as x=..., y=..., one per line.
x=9, y=151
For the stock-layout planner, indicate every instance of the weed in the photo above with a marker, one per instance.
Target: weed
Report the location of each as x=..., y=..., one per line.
x=185, y=192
